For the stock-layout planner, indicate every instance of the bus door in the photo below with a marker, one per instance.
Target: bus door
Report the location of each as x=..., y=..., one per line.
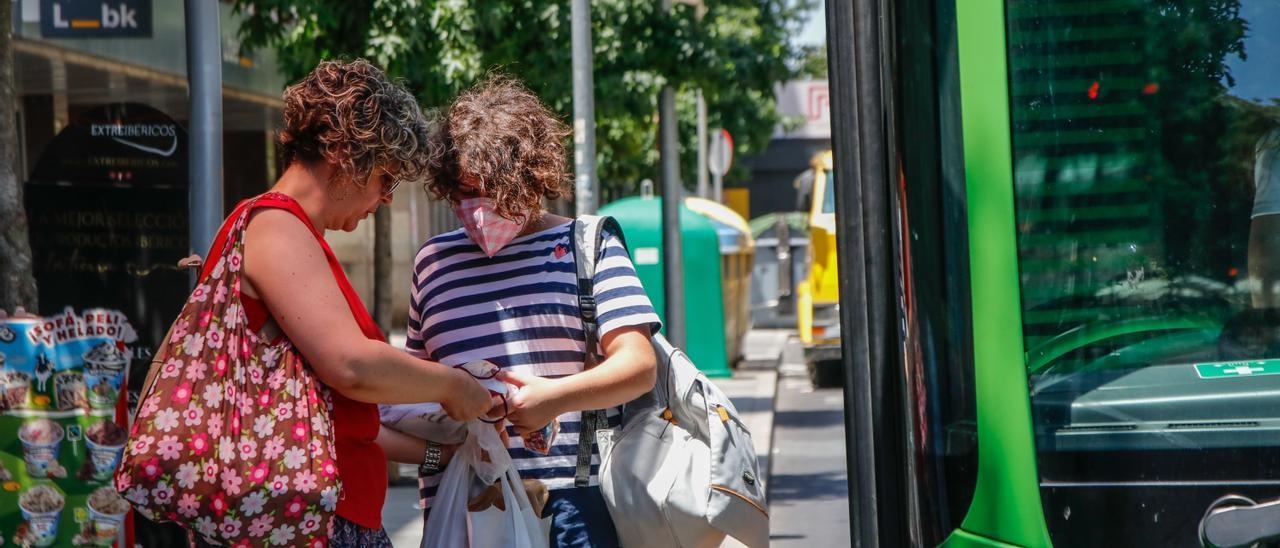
x=1083, y=199
x=1141, y=196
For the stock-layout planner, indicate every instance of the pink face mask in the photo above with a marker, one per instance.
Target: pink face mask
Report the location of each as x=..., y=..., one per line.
x=484, y=226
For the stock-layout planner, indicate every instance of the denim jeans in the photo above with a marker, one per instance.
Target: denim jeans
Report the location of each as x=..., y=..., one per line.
x=579, y=517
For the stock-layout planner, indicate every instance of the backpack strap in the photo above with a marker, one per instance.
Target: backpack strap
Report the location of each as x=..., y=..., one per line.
x=588, y=241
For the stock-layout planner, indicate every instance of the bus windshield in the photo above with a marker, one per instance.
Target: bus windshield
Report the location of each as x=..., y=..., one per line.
x=1146, y=143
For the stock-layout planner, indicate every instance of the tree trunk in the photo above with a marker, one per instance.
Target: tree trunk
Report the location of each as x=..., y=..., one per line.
x=381, y=268
x=17, y=284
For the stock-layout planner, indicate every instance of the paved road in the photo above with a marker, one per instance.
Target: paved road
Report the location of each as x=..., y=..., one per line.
x=402, y=518
x=808, y=495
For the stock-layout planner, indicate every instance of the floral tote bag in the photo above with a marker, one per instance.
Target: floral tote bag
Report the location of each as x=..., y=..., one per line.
x=233, y=437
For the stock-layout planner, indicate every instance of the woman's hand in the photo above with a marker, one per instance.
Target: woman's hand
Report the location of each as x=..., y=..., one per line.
x=535, y=402
x=468, y=399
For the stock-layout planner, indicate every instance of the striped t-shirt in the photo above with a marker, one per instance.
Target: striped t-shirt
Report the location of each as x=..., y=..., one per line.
x=519, y=310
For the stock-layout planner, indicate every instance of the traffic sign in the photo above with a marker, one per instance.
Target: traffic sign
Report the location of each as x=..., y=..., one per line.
x=720, y=157
x=1253, y=368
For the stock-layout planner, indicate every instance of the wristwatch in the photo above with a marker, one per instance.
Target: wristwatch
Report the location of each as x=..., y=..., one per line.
x=431, y=460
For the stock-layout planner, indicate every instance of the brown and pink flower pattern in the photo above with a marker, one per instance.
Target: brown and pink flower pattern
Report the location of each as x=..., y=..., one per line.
x=234, y=439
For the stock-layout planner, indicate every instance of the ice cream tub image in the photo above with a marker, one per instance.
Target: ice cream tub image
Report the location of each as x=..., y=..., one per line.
x=105, y=357
x=102, y=388
x=106, y=442
x=15, y=386
x=69, y=391
x=107, y=511
x=41, y=506
x=41, y=439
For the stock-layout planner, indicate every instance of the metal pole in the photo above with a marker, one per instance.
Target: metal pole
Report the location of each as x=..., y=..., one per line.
x=672, y=249
x=204, y=77
x=702, y=146
x=672, y=197
x=717, y=186
x=587, y=186
x=672, y=246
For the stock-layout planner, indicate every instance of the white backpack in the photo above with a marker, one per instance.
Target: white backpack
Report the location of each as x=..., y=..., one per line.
x=681, y=470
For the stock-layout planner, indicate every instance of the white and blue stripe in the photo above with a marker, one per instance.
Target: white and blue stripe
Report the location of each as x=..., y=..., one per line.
x=519, y=310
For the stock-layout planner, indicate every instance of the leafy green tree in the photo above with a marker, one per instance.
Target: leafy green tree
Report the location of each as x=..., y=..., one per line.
x=813, y=62
x=736, y=52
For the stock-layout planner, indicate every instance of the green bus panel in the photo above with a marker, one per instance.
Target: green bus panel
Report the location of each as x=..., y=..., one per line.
x=1006, y=505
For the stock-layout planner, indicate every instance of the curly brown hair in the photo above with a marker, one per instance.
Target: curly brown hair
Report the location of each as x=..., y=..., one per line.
x=351, y=115
x=503, y=139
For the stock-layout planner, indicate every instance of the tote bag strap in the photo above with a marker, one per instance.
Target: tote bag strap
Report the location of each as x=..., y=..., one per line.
x=235, y=231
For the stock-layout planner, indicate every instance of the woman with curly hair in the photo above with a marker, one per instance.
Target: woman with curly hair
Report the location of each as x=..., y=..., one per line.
x=504, y=289
x=350, y=136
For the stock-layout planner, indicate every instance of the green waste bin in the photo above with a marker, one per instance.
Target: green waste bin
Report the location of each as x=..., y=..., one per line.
x=737, y=256
x=704, y=299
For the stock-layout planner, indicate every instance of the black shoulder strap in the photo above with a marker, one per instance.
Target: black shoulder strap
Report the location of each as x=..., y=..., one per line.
x=588, y=244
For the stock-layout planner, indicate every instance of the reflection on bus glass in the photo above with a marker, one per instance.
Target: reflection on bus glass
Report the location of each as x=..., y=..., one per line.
x=1146, y=141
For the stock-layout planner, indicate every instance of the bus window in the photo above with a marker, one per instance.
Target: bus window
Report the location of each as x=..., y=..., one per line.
x=1146, y=144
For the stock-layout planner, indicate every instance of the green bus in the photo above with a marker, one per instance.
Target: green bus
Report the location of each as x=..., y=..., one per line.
x=1059, y=235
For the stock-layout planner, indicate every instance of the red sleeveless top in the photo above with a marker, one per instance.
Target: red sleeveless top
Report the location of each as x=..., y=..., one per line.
x=361, y=463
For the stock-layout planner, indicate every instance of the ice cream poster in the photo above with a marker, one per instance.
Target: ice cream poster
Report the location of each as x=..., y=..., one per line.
x=60, y=379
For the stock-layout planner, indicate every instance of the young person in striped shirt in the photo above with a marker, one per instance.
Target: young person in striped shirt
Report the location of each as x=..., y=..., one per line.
x=504, y=289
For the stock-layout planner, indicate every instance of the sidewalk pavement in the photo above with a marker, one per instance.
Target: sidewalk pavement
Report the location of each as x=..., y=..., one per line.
x=809, y=491
x=752, y=389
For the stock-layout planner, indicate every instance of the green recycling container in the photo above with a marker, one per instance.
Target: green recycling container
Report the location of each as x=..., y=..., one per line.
x=737, y=256
x=641, y=220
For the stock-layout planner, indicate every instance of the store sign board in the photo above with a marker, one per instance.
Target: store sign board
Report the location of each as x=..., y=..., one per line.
x=95, y=18
x=807, y=104
x=108, y=213
x=117, y=144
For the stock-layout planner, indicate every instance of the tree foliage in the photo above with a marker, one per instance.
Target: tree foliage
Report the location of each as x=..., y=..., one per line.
x=1197, y=132
x=813, y=62
x=736, y=52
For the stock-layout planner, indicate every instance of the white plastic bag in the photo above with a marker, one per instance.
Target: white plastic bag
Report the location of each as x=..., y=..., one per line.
x=517, y=526
x=451, y=525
